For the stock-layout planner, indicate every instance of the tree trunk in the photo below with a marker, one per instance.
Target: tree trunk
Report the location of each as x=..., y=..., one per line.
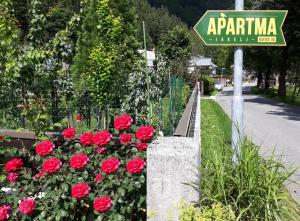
x=259, y=79
x=54, y=103
x=267, y=76
x=294, y=93
x=283, y=73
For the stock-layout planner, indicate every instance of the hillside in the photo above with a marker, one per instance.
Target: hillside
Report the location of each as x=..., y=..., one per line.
x=191, y=10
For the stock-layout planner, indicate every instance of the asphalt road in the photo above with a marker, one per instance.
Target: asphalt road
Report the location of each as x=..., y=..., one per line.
x=273, y=126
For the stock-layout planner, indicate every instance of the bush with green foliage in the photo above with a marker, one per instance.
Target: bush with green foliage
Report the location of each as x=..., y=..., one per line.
x=217, y=212
x=109, y=167
x=209, y=85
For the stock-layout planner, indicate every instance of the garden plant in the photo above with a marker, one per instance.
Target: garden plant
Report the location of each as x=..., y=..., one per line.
x=253, y=187
x=91, y=176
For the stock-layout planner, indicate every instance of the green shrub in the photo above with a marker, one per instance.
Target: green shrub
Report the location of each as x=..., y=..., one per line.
x=209, y=85
x=217, y=212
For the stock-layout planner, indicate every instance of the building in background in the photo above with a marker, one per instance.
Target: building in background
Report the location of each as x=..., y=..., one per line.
x=150, y=57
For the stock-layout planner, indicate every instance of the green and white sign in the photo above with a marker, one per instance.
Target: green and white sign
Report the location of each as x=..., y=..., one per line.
x=242, y=28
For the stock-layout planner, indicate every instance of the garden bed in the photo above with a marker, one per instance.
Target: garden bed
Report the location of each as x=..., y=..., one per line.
x=83, y=176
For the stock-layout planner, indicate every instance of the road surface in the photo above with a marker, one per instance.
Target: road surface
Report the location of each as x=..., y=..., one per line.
x=270, y=124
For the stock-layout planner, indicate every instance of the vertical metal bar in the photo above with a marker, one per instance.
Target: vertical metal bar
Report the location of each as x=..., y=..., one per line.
x=147, y=76
x=237, y=110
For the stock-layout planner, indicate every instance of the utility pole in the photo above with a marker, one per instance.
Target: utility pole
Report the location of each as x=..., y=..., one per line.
x=147, y=76
x=237, y=110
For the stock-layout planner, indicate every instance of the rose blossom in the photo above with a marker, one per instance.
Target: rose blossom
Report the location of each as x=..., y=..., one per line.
x=52, y=165
x=44, y=148
x=12, y=177
x=123, y=122
x=102, y=138
x=4, y=212
x=125, y=139
x=69, y=133
x=135, y=165
x=142, y=146
x=101, y=150
x=80, y=190
x=27, y=206
x=79, y=161
x=98, y=178
x=78, y=118
x=39, y=175
x=110, y=165
x=86, y=139
x=13, y=165
x=145, y=133
x=102, y=204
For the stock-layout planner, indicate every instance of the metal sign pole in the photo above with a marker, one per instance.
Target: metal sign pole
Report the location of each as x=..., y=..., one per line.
x=237, y=110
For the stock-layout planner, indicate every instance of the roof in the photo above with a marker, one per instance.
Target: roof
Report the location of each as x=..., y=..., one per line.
x=202, y=61
x=150, y=56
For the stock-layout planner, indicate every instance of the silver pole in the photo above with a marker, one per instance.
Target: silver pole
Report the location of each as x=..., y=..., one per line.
x=237, y=110
x=147, y=76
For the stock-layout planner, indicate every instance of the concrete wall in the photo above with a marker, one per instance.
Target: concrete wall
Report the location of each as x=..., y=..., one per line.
x=171, y=163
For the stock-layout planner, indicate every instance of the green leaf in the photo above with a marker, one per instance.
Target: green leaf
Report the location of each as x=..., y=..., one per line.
x=85, y=174
x=57, y=125
x=27, y=176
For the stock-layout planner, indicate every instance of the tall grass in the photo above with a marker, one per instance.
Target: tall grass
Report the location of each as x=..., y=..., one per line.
x=253, y=186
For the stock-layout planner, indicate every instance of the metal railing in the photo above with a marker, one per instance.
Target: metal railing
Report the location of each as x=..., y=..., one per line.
x=186, y=124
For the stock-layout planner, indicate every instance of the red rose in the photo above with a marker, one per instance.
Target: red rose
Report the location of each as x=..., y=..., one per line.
x=98, y=178
x=125, y=139
x=4, y=212
x=102, y=204
x=12, y=177
x=13, y=165
x=78, y=118
x=52, y=165
x=110, y=165
x=145, y=133
x=27, y=206
x=44, y=148
x=123, y=122
x=102, y=138
x=86, y=139
x=69, y=133
x=101, y=150
x=79, y=161
x=41, y=173
x=80, y=190
x=142, y=146
x=135, y=165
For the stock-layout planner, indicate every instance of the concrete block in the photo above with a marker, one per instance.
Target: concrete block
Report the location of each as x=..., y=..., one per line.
x=172, y=163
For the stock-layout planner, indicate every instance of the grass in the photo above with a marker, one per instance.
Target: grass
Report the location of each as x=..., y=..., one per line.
x=272, y=93
x=214, y=93
x=253, y=187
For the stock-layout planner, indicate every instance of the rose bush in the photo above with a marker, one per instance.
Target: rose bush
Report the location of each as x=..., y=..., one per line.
x=90, y=176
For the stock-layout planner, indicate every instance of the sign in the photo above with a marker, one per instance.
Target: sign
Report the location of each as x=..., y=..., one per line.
x=242, y=28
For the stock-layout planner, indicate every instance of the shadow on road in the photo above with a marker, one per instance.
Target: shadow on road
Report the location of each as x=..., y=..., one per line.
x=287, y=111
x=281, y=109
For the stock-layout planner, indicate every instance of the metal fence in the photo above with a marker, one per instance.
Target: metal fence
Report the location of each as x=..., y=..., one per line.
x=167, y=111
x=172, y=105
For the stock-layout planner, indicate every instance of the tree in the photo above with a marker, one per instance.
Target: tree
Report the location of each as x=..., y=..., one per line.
x=284, y=55
x=106, y=49
x=190, y=11
x=158, y=22
x=175, y=49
